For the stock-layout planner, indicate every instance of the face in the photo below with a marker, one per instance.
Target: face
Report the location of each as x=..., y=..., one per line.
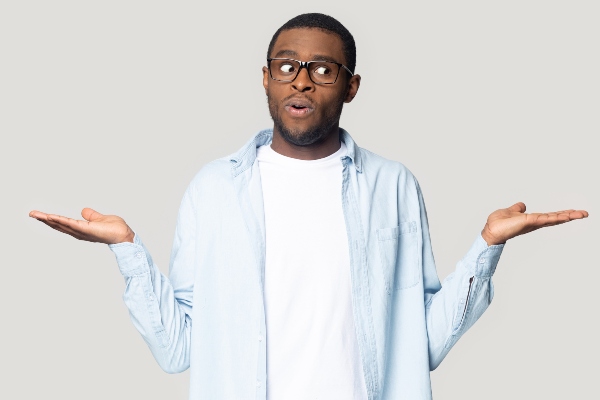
x=303, y=112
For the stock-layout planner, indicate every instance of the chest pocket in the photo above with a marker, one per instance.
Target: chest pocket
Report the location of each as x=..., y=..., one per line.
x=398, y=256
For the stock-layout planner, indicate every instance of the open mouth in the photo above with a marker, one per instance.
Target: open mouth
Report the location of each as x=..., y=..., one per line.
x=299, y=107
x=298, y=110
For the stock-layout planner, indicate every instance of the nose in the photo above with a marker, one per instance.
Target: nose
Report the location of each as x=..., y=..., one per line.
x=303, y=83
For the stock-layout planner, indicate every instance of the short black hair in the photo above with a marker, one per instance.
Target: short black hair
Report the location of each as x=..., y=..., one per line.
x=325, y=23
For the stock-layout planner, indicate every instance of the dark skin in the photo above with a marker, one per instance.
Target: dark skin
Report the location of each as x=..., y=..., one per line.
x=323, y=103
x=309, y=45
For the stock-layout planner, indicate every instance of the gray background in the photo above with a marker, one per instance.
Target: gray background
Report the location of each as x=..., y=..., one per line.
x=116, y=104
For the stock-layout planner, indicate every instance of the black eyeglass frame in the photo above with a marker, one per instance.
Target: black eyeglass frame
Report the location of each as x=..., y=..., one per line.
x=304, y=64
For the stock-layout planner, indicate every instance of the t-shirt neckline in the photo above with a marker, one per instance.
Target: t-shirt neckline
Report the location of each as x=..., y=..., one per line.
x=269, y=154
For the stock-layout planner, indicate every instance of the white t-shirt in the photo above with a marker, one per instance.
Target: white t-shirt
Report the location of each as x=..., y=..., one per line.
x=312, y=351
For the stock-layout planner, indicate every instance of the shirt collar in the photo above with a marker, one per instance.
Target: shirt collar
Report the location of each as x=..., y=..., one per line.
x=245, y=157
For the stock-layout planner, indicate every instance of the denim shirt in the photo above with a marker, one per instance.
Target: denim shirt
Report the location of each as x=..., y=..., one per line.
x=209, y=314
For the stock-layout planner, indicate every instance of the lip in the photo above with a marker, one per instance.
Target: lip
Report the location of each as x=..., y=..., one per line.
x=298, y=106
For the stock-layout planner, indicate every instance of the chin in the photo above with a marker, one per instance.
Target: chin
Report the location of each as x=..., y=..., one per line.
x=305, y=134
x=302, y=137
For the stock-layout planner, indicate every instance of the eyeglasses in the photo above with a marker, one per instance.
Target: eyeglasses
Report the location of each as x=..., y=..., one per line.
x=320, y=72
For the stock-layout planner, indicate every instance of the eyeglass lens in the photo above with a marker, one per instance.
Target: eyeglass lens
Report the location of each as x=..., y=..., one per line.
x=319, y=71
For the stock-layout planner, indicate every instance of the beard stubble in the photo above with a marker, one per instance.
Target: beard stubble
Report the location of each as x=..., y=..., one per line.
x=311, y=135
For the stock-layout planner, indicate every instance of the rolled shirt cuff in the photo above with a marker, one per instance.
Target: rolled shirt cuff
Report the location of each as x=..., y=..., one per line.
x=481, y=260
x=131, y=257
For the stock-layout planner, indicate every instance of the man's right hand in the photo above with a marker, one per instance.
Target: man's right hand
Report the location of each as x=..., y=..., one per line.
x=108, y=229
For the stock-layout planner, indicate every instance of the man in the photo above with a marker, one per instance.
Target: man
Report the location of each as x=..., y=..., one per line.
x=302, y=266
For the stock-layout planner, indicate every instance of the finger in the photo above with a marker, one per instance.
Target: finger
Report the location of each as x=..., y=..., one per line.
x=557, y=219
x=79, y=230
x=90, y=214
x=539, y=220
x=37, y=214
x=569, y=214
x=41, y=216
x=518, y=207
x=578, y=214
x=561, y=212
x=550, y=219
x=70, y=223
x=59, y=219
x=63, y=229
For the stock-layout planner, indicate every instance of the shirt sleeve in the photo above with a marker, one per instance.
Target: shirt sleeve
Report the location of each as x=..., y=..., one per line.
x=453, y=306
x=160, y=307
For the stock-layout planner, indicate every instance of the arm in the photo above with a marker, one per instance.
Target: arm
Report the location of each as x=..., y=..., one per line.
x=160, y=308
x=454, y=306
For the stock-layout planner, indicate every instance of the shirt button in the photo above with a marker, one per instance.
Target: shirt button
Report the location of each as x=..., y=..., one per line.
x=138, y=255
x=257, y=383
x=260, y=338
x=482, y=260
x=151, y=297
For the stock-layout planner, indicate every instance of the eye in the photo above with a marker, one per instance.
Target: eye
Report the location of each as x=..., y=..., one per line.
x=322, y=70
x=286, y=68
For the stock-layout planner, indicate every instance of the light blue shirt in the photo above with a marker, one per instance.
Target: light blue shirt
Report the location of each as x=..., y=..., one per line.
x=209, y=314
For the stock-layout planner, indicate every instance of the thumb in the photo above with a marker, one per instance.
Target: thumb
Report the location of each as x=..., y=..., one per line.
x=91, y=215
x=518, y=207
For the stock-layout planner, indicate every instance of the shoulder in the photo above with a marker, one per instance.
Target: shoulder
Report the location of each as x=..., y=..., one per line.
x=214, y=172
x=389, y=187
x=212, y=179
x=374, y=165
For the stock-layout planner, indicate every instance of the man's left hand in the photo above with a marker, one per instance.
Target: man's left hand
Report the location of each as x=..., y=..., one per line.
x=509, y=222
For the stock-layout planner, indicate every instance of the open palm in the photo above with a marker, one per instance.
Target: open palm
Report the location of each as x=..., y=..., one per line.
x=509, y=222
x=95, y=227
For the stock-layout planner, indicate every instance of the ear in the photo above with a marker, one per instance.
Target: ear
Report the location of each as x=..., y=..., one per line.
x=353, y=85
x=266, y=79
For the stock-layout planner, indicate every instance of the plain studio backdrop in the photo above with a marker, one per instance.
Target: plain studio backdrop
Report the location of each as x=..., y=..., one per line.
x=116, y=105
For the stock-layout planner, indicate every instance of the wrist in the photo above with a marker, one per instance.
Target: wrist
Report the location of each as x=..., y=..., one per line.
x=130, y=236
x=490, y=239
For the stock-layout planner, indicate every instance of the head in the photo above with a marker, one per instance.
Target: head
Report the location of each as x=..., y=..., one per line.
x=304, y=112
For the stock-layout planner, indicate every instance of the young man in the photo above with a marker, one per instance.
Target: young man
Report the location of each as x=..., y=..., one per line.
x=302, y=266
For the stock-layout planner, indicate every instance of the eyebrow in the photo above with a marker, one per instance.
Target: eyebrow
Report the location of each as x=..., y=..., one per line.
x=292, y=53
x=289, y=53
x=319, y=57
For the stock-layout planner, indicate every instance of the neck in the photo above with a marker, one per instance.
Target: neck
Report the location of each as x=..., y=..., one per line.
x=314, y=151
